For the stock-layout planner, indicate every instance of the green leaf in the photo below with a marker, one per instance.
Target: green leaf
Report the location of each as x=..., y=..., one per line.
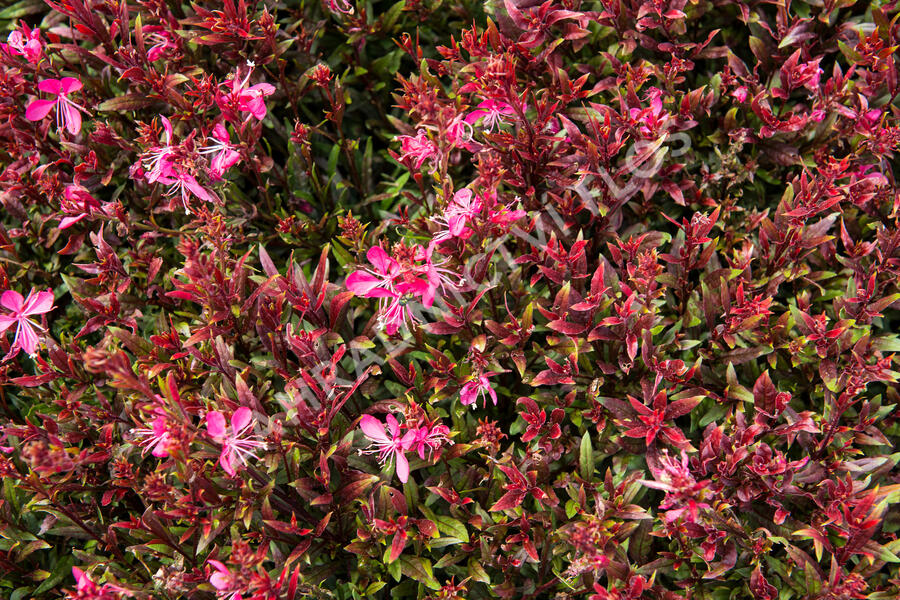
x=420, y=570
x=452, y=527
x=62, y=570
x=586, y=457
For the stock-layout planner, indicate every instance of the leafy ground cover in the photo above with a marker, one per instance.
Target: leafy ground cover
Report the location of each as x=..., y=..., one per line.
x=523, y=300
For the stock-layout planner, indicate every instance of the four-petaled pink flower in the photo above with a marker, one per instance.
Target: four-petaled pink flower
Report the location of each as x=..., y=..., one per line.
x=164, y=166
x=225, y=154
x=25, y=43
x=161, y=39
x=396, y=284
x=157, y=438
x=224, y=582
x=391, y=443
x=462, y=208
x=67, y=112
x=20, y=309
x=492, y=111
x=245, y=99
x=237, y=446
x=477, y=387
x=428, y=439
x=418, y=148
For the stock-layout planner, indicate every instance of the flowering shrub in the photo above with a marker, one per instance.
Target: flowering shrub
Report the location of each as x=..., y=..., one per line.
x=424, y=300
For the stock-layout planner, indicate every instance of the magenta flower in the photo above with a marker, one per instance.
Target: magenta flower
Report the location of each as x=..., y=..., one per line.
x=67, y=112
x=164, y=165
x=429, y=439
x=246, y=99
x=418, y=148
x=491, y=113
x=237, y=446
x=387, y=446
x=224, y=582
x=377, y=282
x=20, y=309
x=462, y=208
x=225, y=154
x=477, y=387
x=159, y=36
x=78, y=204
x=157, y=438
x=340, y=6
x=25, y=43
x=88, y=590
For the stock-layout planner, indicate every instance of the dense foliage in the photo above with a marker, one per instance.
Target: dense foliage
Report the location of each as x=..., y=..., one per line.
x=309, y=299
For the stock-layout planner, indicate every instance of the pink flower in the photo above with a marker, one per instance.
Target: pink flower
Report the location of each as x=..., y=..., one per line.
x=224, y=581
x=237, y=447
x=418, y=148
x=464, y=207
x=492, y=113
x=26, y=43
x=79, y=203
x=387, y=446
x=682, y=490
x=159, y=36
x=429, y=439
x=225, y=154
x=477, y=387
x=740, y=94
x=157, y=438
x=37, y=303
x=85, y=589
x=246, y=99
x=67, y=112
x=398, y=310
x=340, y=6
x=377, y=282
x=164, y=166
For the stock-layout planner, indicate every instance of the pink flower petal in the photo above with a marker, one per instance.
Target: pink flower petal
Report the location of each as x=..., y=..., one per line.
x=51, y=86
x=215, y=424
x=402, y=466
x=6, y=322
x=373, y=429
x=12, y=300
x=240, y=419
x=361, y=283
x=69, y=84
x=379, y=258
x=39, y=303
x=226, y=460
x=26, y=338
x=39, y=109
x=72, y=118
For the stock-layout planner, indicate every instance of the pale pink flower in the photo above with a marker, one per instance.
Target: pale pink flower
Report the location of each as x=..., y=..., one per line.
x=459, y=132
x=396, y=309
x=246, y=99
x=26, y=43
x=683, y=492
x=418, y=148
x=392, y=443
x=157, y=438
x=68, y=114
x=477, y=387
x=465, y=206
x=491, y=113
x=237, y=446
x=225, y=154
x=20, y=309
x=224, y=582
